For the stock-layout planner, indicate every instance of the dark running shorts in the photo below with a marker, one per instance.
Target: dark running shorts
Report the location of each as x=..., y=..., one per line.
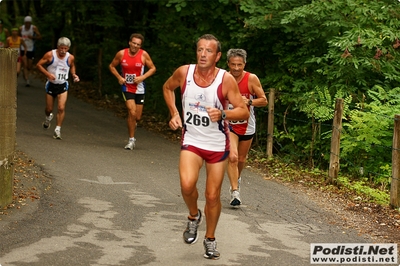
x=138, y=98
x=242, y=137
x=29, y=54
x=56, y=89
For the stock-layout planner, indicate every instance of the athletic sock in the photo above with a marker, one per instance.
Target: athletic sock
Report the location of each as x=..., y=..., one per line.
x=195, y=217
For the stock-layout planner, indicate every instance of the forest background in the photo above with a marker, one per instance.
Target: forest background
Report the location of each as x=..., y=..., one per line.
x=310, y=52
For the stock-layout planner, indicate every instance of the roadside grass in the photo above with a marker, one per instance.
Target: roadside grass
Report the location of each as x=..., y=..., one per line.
x=276, y=169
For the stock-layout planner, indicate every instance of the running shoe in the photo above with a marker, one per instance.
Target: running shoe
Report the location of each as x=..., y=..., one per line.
x=57, y=134
x=131, y=145
x=235, y=198
x=46, y=124
x=190, y=235
x=27, y=83
x=211, y=249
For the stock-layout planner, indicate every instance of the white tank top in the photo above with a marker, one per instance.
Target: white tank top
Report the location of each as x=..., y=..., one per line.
x=198, y=130
x=29, y=42
x=59, y=68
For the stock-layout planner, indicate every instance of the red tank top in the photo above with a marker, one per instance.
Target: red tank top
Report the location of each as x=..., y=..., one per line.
x=245, y=127
x=132, y=66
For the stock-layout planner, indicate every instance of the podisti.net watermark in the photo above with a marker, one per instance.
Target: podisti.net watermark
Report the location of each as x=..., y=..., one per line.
x=353, y=253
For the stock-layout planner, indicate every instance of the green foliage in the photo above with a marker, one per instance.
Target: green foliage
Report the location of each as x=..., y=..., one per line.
x=323, y=50
x=319, y=104
x=367, y=135
x=365, y=191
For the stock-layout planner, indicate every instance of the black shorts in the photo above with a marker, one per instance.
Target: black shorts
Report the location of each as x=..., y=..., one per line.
x=56, y=89
x=138, y=98
x=29, y=54
x=242, y=137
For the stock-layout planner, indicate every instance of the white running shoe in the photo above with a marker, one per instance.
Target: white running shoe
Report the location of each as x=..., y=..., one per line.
x=131, y=145
x=46, y=124
x=57, y=134
x=235, y=198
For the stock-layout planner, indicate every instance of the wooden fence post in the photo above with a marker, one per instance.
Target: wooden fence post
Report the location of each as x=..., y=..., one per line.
x=270, y=129
x=8, y=119
x=335, y=143
x=395, y=184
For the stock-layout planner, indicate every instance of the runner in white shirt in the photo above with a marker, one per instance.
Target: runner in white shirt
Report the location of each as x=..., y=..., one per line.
x=56, y=66
x=29, y=34
x=205, y=91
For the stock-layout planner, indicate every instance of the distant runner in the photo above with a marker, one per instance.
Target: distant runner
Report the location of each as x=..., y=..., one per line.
x=132, y=61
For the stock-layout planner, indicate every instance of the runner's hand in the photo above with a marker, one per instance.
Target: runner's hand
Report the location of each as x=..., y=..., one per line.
x=175, y=122
x=214, y=114
x=76, y=78
x=51, y=77
x=138, y=79
x=121, y=81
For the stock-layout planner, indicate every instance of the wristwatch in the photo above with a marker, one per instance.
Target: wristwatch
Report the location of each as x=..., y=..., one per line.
x=223, y=115
x=250, y=102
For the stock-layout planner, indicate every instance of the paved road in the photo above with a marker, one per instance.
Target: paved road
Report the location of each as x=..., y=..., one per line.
x=109, y=206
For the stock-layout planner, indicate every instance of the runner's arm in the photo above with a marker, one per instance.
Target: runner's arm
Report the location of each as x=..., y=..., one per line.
x=114, y=63
x=169, y=87
x=72, y=69
x=151, y=68
x=38, y=36
x=44, y=61
x=256, y=88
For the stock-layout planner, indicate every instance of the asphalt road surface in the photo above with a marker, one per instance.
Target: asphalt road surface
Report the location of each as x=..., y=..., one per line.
x=110, y=206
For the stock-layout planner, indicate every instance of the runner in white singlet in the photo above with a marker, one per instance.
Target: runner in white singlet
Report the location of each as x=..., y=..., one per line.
x=56, y=66
x=29, y=33
x=205, y=92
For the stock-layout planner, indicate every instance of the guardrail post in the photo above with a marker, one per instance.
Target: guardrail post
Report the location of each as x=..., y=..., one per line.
x=395, y=184
x=335, y=143
x=270, y=129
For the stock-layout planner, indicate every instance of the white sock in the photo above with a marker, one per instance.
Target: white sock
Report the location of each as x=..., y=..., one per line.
x=58, y=128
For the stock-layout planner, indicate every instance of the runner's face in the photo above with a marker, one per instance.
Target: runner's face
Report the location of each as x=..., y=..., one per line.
x=62, y=50
x=236, y=66
x=134, y=45
x=207, y=55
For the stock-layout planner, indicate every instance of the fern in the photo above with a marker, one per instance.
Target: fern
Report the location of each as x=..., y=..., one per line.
x=319, y=104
